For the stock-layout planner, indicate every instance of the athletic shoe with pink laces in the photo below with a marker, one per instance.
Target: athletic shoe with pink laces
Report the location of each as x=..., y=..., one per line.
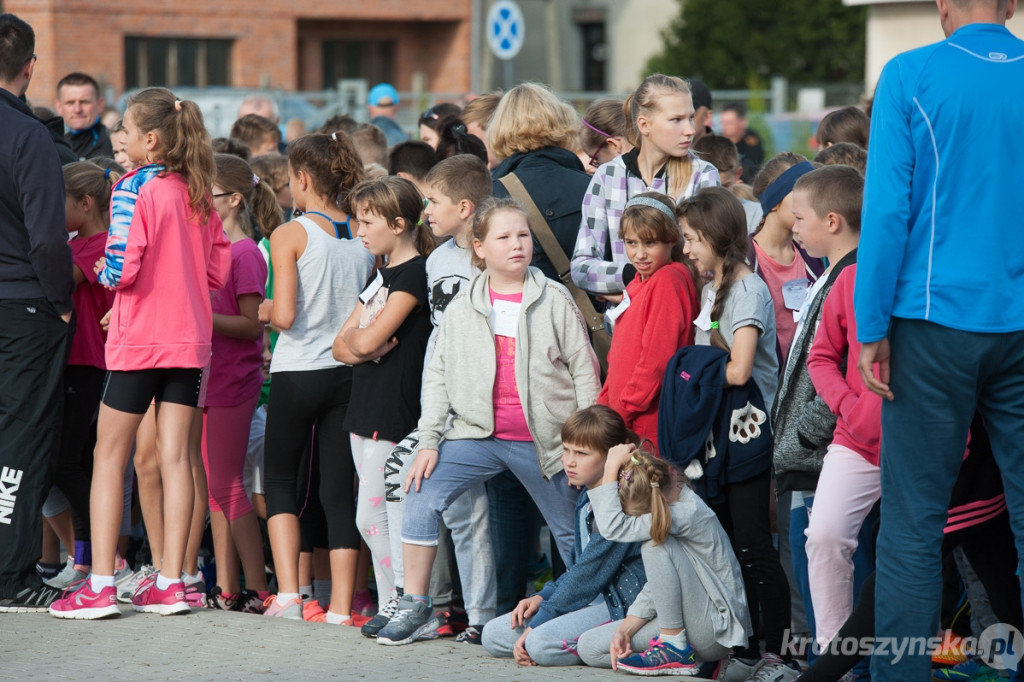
x=81, y=603
x=151, y=599
x=292, y=610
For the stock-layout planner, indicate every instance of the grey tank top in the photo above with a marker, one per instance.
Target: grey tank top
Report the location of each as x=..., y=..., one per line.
x=331, y=274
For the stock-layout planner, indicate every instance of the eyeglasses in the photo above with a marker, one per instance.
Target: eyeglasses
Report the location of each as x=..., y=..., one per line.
x=594, y=163
x=222, y=194
x=31, y=59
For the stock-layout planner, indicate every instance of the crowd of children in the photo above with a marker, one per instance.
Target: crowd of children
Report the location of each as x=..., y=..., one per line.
x=413, y=352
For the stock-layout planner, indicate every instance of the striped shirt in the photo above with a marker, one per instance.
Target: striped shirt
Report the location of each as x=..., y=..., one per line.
x=122, y=209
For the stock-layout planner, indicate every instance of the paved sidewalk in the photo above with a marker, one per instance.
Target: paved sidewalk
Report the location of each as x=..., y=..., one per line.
x=217, y=645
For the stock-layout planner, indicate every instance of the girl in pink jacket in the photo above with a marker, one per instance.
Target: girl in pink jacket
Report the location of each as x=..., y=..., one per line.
x=165, y=251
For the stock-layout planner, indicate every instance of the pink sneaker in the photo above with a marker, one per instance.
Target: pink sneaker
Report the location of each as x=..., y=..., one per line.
x=81, y=603
x=195, y=591
x=150, y=599
x=313, y=612
x=275, y=609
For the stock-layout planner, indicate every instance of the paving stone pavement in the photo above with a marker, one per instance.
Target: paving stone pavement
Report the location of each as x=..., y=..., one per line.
x=217, y=645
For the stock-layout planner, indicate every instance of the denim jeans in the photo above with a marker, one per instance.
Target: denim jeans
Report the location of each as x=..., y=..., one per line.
x=938, y=377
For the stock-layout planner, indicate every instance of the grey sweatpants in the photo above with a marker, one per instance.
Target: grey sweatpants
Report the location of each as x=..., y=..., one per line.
x=673, y=598
x=553, y=642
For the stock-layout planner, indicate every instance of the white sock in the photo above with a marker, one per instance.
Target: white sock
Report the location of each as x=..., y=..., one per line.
x=678, y=640
x=98, y=582
x=322, y=592
x=286, y=597
x=336, y=618
x=189, y=578
x=163, y=583
x=306, y=591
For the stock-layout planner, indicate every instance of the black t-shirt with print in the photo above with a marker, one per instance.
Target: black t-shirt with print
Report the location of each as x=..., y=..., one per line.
x=385, y=402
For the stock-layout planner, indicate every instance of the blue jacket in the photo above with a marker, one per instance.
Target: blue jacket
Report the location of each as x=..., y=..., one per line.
x=724, y=428
x=614, y=570
x=942, y=237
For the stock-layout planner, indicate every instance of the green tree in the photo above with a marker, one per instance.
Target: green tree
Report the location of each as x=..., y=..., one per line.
x=743, y=43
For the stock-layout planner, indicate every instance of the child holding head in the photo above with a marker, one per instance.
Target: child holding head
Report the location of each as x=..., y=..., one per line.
x=659, y=116
x=511, y=362
x=240, y=199
x=737, y=315
x=384, y=339
x=692, y=607
x=773, y=254
x=604, y=577
x=454, y=188
x=87, y=211
x=163, y=230
x=828, y=203
x=655, y=317
x=319, y=270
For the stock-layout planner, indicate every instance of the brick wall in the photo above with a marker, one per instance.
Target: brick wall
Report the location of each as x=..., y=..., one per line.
x=432, y=37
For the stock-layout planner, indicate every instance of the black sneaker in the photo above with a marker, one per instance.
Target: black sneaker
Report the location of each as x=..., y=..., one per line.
x=249, y=602
x=30, y=600
x=412, y=620
x=376, y=624
x=471, y=634
x=215, y=599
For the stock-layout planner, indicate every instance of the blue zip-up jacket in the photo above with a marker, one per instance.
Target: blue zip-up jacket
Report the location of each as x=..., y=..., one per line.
x=612, y=569
x=942, y=237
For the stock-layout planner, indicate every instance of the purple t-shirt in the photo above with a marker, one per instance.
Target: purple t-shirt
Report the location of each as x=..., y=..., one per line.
x=235, y=367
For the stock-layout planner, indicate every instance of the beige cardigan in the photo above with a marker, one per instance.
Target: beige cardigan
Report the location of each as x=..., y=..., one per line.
x=556, y=369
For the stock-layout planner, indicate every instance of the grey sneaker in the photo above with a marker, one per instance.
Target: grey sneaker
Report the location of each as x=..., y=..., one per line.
x=412, y=620
x=68, y=575
x=774, y=671
x=30, y=600
x=376, y=624
x=129, y=583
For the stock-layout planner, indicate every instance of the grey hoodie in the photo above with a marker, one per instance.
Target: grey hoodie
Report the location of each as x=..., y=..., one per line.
x=556, y=369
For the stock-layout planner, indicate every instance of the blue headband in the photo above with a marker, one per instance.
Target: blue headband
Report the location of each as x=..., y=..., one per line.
x=651, y=203
x=783, y=185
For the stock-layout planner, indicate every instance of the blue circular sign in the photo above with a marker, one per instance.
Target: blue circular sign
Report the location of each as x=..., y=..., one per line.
x=505, y=29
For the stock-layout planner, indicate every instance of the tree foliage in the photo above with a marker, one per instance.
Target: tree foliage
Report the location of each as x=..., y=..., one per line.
x=743, y=43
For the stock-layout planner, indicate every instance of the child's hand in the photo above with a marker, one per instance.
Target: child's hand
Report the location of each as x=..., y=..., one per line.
x=519, y=650
x=105, y=320
x=525, y=609
x=266, y=308
x=617, y=458
x=383, y=350
x=422, y=467
x=99, y=266
x=619, y=647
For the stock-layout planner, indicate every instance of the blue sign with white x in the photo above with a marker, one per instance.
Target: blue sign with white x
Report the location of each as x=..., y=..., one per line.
x=505, y=29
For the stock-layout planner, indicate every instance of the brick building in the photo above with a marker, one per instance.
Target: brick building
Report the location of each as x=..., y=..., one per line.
x=281, y=44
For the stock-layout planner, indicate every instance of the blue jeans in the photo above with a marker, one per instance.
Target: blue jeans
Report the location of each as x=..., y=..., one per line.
x=463, y=463
x=939, y=376
x=551, y=643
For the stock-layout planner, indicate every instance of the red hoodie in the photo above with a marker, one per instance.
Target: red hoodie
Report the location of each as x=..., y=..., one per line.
x=658, y=322
x=162, y=316
x=858, y=411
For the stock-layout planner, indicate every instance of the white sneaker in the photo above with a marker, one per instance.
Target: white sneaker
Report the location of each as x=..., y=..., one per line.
x=129, y=583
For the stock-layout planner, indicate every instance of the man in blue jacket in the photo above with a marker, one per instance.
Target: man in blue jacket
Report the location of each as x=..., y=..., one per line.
x=939, y=295
x=35, y=308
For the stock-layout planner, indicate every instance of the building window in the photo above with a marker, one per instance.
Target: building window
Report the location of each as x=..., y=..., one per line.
x=371, y=60
x=595, y=55
x=171, y=62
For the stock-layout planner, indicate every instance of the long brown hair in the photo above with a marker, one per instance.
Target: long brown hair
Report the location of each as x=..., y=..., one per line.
x=185, y=145
x=718, y=218
x=332, y=164
x=644, y=100
x=646, y=222
x=259, y=210
x=86, y=179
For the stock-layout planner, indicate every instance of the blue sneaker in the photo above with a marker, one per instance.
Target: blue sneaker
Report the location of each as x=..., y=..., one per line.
x=971, y=670
x=663, y=658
